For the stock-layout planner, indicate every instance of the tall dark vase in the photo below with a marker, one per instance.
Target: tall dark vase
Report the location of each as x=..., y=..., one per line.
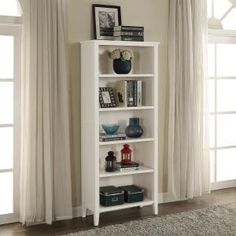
x=122, y=66
x=134, y=130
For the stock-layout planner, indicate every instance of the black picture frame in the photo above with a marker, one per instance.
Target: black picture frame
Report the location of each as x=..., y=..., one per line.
x=105, y=17
x=107, y=97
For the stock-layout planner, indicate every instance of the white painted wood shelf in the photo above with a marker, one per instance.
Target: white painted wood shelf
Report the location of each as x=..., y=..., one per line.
x=128, y=140
x=141, y=170
x=145, y=202
x=125, y=76
x=126, y=108
x=97, y=71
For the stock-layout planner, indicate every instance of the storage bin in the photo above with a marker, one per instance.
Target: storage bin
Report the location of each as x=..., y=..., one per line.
x=132, y=193
x=111, y=196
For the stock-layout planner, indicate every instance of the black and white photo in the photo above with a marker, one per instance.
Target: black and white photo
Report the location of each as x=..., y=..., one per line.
x=105, y=18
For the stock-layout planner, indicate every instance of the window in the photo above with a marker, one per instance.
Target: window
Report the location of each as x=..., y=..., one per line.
x=221, y=92
x=222, y=14
x=10, y=8
x=10, y=45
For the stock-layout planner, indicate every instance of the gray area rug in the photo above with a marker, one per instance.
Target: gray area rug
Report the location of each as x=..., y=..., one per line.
x=212, y=221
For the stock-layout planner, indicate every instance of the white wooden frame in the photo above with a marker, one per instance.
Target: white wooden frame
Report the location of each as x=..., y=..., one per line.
x=15, y=31
x=220, y=36
x=92, y=176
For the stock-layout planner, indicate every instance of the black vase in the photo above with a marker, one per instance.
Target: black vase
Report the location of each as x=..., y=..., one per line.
x=134, y=130
x=122, y=66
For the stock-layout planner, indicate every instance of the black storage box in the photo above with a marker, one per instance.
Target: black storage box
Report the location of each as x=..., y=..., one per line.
x=133, y=193
x=111, y=196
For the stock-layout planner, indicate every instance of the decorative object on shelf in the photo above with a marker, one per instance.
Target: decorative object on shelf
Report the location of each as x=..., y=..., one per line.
x=111, y=137
x=110, y=129
x=133, y=193
x=134, y=130
x=126, y=155
x=111, y=196
x=110, y=162
x=105, y=17
x=106, y=97
x=122, y=61
x=129, y=93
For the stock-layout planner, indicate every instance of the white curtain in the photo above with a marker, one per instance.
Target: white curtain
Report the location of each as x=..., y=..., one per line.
x=45, y=183
x=188, y=155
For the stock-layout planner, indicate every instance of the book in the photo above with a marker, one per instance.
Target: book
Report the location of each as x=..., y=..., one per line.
x=139, y=93
x=130, y=93
x=132, y=166
x=128, y=169
x=128, y=33
x=106, y=137
x=128, y=28
x=135, y=92
x=121, y=93
x=129, y=38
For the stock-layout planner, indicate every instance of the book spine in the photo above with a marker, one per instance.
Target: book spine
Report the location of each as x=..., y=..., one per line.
x=135, y=92
x=139, y=93
x=128, y=169
x=130, y=98
x=111, y=139
x=130, y=38
x=128, y=33
x=127, y=28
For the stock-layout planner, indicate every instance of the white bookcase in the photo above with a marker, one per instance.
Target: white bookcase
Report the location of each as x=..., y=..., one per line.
x=97, y=71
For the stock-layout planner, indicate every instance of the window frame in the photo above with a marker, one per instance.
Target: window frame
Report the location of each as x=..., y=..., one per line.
x=217, y=36
x=14, y=30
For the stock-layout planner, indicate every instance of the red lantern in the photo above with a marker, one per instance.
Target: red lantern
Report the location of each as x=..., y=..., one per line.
x=126, y=155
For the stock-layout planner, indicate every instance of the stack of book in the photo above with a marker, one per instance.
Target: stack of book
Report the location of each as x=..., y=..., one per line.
x=127, y=167
x=128, y=33
x=108, y=137
x=129, y=93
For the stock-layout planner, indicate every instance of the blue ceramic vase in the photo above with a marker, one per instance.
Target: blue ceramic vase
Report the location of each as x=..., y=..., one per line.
x=134, y=130
x=122, y=66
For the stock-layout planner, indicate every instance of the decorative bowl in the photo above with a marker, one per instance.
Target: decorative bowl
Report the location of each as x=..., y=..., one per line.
x=110, y=128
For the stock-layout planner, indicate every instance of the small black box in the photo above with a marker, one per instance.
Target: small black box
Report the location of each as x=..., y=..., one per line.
x=133, y=193
x=111, y=196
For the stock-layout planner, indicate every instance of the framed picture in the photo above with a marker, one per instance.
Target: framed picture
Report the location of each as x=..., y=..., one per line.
x=106, y=97
x=105, y=17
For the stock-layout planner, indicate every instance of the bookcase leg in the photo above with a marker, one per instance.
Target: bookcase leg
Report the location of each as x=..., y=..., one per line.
x=84, y=212
x=155, y=209
x=96, y=219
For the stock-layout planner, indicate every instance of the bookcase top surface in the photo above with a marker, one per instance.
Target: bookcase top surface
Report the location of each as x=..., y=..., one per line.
x=120, y=43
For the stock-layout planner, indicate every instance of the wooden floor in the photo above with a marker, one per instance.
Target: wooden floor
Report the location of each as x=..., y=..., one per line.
x=63, y=227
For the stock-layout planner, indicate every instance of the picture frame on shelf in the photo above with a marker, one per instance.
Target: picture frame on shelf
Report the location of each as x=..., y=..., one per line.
x=105, y=17
x=107, y=97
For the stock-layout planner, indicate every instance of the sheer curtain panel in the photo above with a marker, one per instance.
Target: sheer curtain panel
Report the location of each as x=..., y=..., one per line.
x=188, y=157
x=45, y=189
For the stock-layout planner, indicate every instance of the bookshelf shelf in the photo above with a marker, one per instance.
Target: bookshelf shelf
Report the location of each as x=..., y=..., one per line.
x=137, y=140
x=145, y=202
x=96, y=72
x=142, y=170
x=126, y=108
x=125, y=76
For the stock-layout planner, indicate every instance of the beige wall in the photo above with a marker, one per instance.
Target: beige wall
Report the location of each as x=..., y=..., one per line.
x=153, y=15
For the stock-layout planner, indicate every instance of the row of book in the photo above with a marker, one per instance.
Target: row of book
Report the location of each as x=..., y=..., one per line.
x=129, y=93
x=125, y=33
